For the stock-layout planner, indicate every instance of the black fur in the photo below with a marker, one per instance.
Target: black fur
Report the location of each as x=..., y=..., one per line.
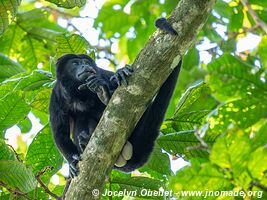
x=164, y=25
x=78, y=102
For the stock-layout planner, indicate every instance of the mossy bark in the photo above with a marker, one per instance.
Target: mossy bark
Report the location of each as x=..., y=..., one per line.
x=152, y=66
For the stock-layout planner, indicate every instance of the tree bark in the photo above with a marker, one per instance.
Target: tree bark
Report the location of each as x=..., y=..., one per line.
x=152, y=66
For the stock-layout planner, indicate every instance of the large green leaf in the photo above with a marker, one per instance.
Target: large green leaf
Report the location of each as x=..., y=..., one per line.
x=231, y=78
x=8, y=10
x=33, y=52
x=68, y=3
x=120, y=19
x=6, y=152
x=11, y=40
x=228, y=154
x=40, y=19
x=191, y=110
x=40, y=100
x=198, y=177
x=241, y=113
x=16, y=175
x=8, y=67
x=42, y=153
x=180, y=143
x=257, y=163
x=196, y=98
x=158, y=164
x=71, y=43
x=26, y=82
x=191, y=59
x=236, y=19
x=13, y=109
x=25, y=125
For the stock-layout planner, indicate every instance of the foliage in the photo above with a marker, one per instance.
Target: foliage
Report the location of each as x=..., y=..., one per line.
x=216, y=121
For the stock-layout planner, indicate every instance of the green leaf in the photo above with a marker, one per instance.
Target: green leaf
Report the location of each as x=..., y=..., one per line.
x=44, y=118
x=42, y=153
x=16, y=175
x=258, y=2
x=180, y=142
x=71, y=43
x=25, y=125
x=241, y=113
x=158, y=164
x=230, y=78
x=33, y=53
x=192, y=108
x=260, y=137
x=232, y=152
x=13, y=109
x=27, y=82
x=257, y=163
x=236, y=20
x=8, y=67
x=223, y=9
x=58, y=190
x=68, y=3
x=40, y=19
x=8, y=10
x=121, y=20
x=196, y=98
x=262, y=51
x=199, y=176
x=11, y=40
x=191, y=59
x=41, y=100
x=5, y=151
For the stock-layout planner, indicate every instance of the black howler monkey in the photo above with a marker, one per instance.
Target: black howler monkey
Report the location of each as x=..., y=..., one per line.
x=78, y=100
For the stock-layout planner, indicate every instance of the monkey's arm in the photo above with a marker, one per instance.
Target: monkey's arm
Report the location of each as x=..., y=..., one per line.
x=60, y=124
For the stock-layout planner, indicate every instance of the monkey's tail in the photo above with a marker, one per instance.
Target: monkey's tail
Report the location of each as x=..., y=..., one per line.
x=147, y=129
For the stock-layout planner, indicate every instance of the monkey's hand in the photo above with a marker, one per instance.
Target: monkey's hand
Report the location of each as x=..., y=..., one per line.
x=121, y=75
x=126, y=154
x=73, y=165
x=97, y=85
x=83, y=140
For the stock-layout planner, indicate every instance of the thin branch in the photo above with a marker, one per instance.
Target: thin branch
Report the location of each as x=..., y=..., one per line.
x=15, y=191
x=254, y=15
x=46, y=189
x=16, y=154
x=257, y=184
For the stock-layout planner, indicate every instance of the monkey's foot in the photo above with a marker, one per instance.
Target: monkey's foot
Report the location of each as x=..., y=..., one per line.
x=126, y=154
x=73, y=165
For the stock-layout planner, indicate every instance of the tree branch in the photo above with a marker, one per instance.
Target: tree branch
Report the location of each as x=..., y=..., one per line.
x=254, y=15
x=152, y=66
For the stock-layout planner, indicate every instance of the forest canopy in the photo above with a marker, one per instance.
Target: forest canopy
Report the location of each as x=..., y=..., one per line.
x=214, y=137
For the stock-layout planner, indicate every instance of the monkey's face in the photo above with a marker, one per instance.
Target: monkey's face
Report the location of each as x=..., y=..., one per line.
x=80, y=69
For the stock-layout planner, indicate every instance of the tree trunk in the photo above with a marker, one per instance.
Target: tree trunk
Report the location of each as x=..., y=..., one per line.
x=152, y=66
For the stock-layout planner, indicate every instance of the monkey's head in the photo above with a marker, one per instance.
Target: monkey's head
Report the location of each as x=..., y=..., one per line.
x=75, y=67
